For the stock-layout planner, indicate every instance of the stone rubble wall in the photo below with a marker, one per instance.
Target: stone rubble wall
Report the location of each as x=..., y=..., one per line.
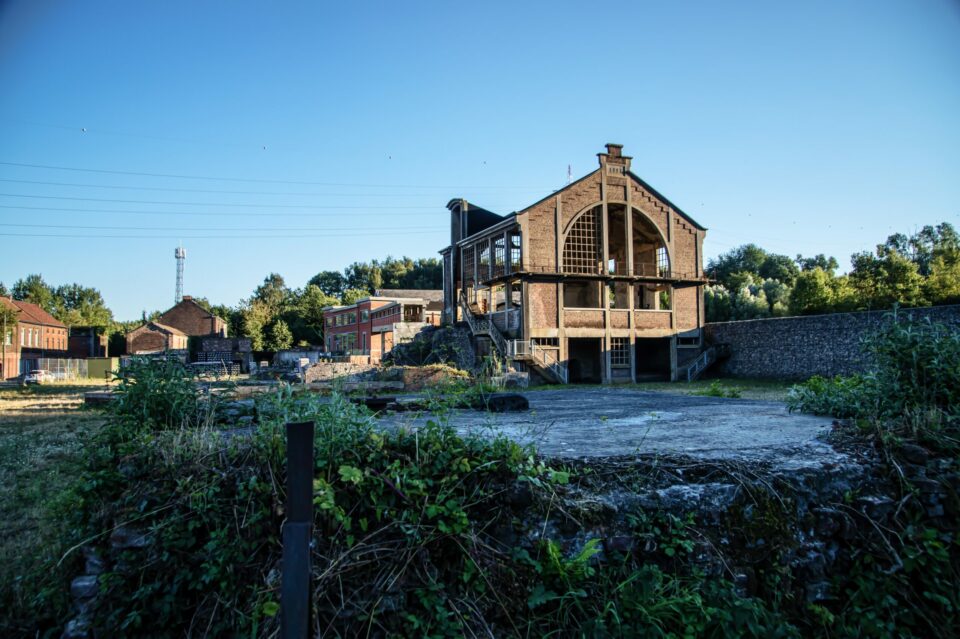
x=800, y=347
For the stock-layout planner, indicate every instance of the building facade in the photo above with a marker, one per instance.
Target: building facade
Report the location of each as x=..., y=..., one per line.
x=154, y=337
x=192, y=319
x=372, y=325
x=601, y=281
x=37, y=335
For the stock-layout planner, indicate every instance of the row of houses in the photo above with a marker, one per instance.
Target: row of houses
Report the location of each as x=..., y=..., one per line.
x=35, y=335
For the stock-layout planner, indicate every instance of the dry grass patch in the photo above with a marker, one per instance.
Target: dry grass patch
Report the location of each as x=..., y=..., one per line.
x=42, y=430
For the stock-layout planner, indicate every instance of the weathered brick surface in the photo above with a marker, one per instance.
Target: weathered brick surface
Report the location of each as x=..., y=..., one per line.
x=192, y=319
x=799, y=347
x=651, y=319
x=685, y=301
x=583, y=319
x=543, y=304
x=619, y=319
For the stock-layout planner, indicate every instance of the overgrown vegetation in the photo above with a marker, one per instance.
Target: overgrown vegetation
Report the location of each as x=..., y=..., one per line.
x=906, y=410
x=426, y=533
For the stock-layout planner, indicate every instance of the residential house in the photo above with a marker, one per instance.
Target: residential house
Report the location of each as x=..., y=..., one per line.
x=37, y=335
x=600, y=281
x=171, y=329
x=154, y=337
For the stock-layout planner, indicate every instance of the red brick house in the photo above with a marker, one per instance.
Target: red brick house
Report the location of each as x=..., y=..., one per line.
x=368, y=327
x=37, y=335
x=192, y=319
x=600, y=281
x=172, y=328
x=154, y=337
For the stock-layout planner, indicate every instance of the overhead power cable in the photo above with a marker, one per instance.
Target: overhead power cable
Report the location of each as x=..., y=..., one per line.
x=258, y=180
x=272, y=214
x=218, y=191
x=219, y=229
x=246, y=205
x=211, y=237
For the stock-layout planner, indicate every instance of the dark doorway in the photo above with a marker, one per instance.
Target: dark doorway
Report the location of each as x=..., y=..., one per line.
x=653, y=358
x=584, y=360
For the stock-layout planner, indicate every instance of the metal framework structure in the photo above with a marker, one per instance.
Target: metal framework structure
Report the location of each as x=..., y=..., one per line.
x=181, y=254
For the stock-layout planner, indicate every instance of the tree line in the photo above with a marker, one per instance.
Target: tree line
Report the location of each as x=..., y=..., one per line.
x=922, y=269
x=275, y=316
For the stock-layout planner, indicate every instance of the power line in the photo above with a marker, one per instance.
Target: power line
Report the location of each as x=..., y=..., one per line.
x=218, y=191
x=216, y=229
x=272, y=214
x=257, y=180
x=209, y=237
x=260, y=206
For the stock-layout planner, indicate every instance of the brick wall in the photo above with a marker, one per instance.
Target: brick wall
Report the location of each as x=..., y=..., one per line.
x=799, y=347
x=189, y=317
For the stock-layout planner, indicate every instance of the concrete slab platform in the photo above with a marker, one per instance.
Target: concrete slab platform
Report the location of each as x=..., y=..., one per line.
x=600, y=422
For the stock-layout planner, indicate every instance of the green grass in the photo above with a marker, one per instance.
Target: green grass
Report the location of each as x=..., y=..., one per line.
x=42, y=429
x=761, y=389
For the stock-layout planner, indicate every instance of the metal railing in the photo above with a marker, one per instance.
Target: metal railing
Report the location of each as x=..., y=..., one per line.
x=542, y=357
x=702, y=363
x=483, y=326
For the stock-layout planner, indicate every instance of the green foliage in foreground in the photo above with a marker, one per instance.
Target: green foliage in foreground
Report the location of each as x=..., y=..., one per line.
x=418, y=533
x=915, y=381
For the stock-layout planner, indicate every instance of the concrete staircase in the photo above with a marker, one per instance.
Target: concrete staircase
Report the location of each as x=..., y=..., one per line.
x=705, y=360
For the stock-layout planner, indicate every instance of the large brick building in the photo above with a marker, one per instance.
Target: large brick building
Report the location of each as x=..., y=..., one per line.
x=171, y=329
x=37, y=335
x=370, y=326
x=601, y=281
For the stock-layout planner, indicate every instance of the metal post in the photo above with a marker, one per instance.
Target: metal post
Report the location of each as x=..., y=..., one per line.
x=295, y=579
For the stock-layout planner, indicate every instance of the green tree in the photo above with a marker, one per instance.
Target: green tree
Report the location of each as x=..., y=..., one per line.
x=306, y=317
x=778, y=296
x=364, y=276
x=821, y=261
x=331, y=283
x=9, y=316
x=942, y=286
x=812, y=293
x=33, y=289
x=885, y=279
x=718, y=305
x=280, y=336
x=273, y=293
x=780, y=268
x=4, y=291
x=257, y=316
x=77, y=305
x=352, y=295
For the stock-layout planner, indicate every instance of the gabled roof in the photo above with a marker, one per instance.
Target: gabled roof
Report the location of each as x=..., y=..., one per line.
x=188, y=300
x=33, y=314
x=169, y=329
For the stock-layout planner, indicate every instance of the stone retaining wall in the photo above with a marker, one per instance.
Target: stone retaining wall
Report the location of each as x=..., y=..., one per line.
x=800, y=347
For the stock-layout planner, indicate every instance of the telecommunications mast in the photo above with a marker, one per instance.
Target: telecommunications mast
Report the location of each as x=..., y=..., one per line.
x=181, y=254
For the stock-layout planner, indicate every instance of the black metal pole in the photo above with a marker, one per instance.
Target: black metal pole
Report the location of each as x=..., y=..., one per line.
x=295, y=578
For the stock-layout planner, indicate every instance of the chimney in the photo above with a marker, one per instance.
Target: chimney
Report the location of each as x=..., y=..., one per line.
x=614, y=162
x=187, y=298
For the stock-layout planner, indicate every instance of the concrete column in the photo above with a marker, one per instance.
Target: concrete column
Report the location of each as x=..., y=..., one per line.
x=606, y=377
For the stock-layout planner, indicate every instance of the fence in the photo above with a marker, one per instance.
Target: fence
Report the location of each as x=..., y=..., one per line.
x=59, y=369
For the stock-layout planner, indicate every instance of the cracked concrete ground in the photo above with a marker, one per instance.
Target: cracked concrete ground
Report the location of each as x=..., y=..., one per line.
x=599, y=422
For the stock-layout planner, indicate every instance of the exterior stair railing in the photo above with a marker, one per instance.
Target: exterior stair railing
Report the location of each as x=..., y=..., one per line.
x=483, y=326
x=543, y=358
x=706, y=359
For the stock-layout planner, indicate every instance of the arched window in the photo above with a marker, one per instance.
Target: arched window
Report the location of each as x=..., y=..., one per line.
x=650, y=258
x=582, y=252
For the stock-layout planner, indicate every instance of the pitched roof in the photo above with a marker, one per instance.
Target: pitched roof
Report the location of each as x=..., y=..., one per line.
x=33, y=314
x=164, y=327
x=428, y=295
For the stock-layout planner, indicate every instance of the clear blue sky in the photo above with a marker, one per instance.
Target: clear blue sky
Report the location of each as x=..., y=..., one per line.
x=804, y=127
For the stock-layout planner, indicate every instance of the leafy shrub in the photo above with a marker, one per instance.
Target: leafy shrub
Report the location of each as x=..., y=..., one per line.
x=915, y=379
x=837, y=396
x=718, y=389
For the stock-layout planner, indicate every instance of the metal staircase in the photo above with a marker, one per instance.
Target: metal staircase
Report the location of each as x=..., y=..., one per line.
x=706, y=359
x=520, y=350
x=544, y=359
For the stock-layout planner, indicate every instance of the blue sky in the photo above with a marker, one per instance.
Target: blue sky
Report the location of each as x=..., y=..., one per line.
x=346, y=127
